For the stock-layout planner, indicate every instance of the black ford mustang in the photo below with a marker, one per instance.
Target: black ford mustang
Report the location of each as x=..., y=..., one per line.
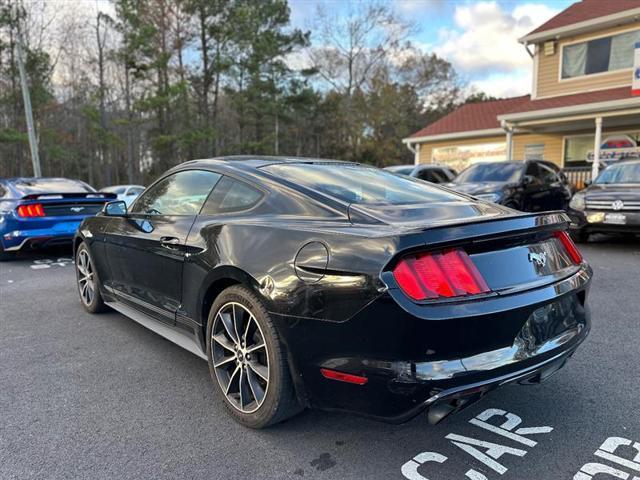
x=314, y=283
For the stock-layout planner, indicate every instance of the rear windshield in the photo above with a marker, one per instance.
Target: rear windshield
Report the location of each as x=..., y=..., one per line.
x=360, y=184
x=625, y=173
x=491, y=172
x=28, y=186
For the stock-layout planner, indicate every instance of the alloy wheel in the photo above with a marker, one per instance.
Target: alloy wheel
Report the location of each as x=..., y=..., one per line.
x=86, y=277
x=240, y=357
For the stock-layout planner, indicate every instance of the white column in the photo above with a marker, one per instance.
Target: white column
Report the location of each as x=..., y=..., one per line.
x=509, y=144
x=596, y=149
x=416, y=159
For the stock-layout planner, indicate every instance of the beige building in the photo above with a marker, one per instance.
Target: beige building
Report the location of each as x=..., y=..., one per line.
x=581, y=105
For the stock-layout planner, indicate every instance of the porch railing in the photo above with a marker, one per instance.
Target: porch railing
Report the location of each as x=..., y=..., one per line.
x=577, y=176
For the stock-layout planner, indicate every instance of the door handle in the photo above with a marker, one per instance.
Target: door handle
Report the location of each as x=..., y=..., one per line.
x=169, y=242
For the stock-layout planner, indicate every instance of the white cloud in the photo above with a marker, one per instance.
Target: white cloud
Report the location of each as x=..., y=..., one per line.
x=485, y=36
x=503, y=85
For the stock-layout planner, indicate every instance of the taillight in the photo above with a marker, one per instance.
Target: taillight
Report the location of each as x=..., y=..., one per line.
x=439, y=275
x=569, y=246
x=30, y=211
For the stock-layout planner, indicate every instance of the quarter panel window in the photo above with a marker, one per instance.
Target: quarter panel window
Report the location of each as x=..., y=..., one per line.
x=231, y=195
x=182, y=193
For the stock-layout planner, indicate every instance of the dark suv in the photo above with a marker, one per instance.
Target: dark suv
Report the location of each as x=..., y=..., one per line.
x=530, y=186
x=611, y=204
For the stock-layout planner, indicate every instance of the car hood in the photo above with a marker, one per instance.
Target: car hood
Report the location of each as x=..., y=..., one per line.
x=427, y=215
x=613, y=192
x=478, y=188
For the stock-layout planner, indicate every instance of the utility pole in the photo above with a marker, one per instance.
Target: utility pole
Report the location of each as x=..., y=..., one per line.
x=31, y=130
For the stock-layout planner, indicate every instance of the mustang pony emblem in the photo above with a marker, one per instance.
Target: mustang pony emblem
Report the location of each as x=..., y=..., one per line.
x=76, y=209
x=539, y=259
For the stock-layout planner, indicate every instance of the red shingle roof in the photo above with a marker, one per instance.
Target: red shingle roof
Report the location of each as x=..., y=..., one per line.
x=473, y=116
x=586, y=10
x=575, y=99
x=484, y=115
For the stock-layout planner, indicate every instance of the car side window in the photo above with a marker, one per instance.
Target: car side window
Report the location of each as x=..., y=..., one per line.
x=231, y=195
x=440, y=176
x=534, y=172
x=427, y=175
x=548, y=175
x=181, y=193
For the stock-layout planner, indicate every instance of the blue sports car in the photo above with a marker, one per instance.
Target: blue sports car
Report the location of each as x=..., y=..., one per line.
x=44, y=211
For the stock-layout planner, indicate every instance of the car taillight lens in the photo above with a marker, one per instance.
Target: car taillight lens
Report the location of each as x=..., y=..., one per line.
x=569, y=246
x=439, y=275
x=30, y=211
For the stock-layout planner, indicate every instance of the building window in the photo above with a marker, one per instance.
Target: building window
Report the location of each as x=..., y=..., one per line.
x=534, y=151
x=600, y=55
x=576, y=149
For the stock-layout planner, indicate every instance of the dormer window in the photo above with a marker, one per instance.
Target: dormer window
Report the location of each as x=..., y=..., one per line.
x=603, y=54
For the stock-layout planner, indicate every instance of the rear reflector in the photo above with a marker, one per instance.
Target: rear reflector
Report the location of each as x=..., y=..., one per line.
x=343, y=377
x=30, y=211
x=570, y=247
x=439, y=275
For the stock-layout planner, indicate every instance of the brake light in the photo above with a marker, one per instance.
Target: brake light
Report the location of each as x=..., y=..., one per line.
x=569, y=246
x=439, y=275
x=31, y=210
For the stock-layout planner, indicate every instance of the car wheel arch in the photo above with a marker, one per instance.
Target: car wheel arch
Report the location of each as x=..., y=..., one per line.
x=227, y=276
x=216, y=282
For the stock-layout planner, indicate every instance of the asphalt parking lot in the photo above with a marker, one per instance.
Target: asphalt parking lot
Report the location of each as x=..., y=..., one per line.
x=100, y=396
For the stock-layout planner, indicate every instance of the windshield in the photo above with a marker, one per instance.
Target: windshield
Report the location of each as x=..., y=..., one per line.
x=360, y=184
x=491, y=172
x=624, y=173
x=401, y=169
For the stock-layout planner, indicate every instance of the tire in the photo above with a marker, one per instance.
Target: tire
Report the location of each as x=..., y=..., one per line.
x=88, y=288
x=267, y=395
x=579, y=236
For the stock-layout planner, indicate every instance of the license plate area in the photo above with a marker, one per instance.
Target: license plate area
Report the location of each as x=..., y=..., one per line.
x=615, y=218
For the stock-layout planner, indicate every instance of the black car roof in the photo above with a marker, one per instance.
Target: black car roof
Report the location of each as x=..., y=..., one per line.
x=28, y=185
x=256, y=161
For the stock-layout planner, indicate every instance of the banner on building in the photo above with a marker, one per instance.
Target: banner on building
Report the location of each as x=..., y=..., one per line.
x=635, y=86
x=617, y=148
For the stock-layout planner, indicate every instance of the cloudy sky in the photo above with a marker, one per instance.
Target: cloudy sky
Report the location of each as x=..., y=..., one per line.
x=478, y=37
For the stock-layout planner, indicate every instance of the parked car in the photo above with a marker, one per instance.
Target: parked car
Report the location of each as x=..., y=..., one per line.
x=312, y=283
x=126, y=193
x=429, y=172
x=38, y=212
x=611, y=204
x=529, y=186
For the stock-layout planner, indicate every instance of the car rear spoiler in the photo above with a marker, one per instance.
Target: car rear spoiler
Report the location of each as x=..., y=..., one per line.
x=60, y=196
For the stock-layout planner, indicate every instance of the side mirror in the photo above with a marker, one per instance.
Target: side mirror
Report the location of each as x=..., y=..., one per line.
x=587, y=183
x=116, y=209
x=528, y=180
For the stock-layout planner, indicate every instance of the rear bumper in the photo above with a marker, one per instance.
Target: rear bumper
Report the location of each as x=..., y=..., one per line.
x=454, y=399
x=471, y=350
x=26, y=234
